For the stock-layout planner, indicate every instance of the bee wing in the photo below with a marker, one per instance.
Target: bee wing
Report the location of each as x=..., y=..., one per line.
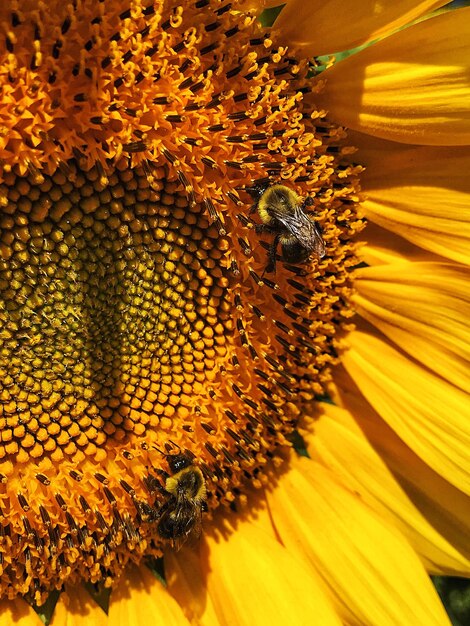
x=303, y=228
x=319, y=244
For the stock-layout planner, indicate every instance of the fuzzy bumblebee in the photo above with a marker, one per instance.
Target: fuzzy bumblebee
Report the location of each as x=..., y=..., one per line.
x=283, y=214
x=181, y=515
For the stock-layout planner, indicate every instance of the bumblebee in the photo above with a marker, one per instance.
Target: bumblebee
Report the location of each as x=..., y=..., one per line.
x=181, y=515
x=283, y=214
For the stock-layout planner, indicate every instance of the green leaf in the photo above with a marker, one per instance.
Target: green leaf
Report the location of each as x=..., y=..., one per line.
x=455, y=595
x=157, y=567
x=268, y=16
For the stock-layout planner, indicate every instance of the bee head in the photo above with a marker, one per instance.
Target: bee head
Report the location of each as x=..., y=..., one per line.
x=177, y=462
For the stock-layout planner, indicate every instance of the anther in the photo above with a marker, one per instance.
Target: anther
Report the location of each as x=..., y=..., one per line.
x=187, y=187
x=111, y=499
x=258, y=312
x=215, y=128
x=233, y=435
x=245, y=246
x=135, y=146
x=300, y=287
x=46, y=520
x=231, y=415
x=210, y=48
x=234, y=267
x=270, y=283
x=284, y=328
x=211, y=27
x=169, y=156
x=102, y=522
x=242, y=454
x=233, y=72
x=210, y=448
x=270, y=405
x=130, y=490
x=23, y=502
x=184, y=66
x=302, y=298
x=72, y=524
x=60, y=501
x=84, y=504
x=101, y=478
x=43, y=479
x=209, y=162
x=256, y=278
x=38, y=542
x=245, y=220
x=177, y=119
x=208, y=428
x=130, y=112
x=234, y=198
x=302, y=329
x=197, y=87
x=231, y=32
x=162, y=100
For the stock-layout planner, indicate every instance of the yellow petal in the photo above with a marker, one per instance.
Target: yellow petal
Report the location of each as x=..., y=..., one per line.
x=445, y=506
x=335, y=440
x=412, y=87
x=253, y=579
x=75, y=608
x=370, y=569
x=424, y=308
x=318, y=27
x=382, y=247
x=421, y=193
x=185, y=577
x=275, y=3
x=140, y=598
x=186, y=583
x=18, y=613
x=260, y=5
x=431, y=416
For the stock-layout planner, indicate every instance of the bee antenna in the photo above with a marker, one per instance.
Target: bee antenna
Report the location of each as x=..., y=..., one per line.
x=175, y=444
x=168, y=453
x=307, y=202
x=161, y=451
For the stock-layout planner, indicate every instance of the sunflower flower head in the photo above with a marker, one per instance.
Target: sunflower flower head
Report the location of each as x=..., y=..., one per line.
x=137, y=319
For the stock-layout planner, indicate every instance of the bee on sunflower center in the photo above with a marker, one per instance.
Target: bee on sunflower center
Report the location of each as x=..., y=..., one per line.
x=181, y=516
x=283, y=213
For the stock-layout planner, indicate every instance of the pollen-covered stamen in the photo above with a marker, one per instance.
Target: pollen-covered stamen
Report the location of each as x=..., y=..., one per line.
x=138, y=318
x=112, y=306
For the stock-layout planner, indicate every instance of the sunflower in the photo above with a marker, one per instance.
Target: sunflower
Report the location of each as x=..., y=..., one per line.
x=199, y=425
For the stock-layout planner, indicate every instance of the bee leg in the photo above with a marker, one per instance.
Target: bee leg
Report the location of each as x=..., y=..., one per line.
x=163, y=474
x=253, y=208
x=264, y=228
x=271, y=266
x=146, y=512
x=307, y=202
